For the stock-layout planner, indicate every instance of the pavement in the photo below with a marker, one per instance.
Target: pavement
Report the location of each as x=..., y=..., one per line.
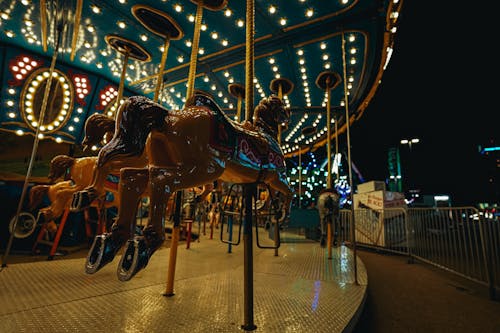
x=406, y=297
x=419, y=297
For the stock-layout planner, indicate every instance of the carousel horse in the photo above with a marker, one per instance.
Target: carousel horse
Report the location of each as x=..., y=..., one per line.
x=99, y=130
x=184, y=149
x=68, y=175
x=77, y=175
x=328, y=208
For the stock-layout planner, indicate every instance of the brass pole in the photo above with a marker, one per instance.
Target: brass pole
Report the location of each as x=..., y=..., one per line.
x=280, y=96
x=238, y=109
x=336, y=145
x=300, y=178
x=159, y=80
x=276, y=230
x=249, y=60
x=194, y=51
x=176, y=230
x=35, y=145
x=43, y=23
x=329, y=135
x=122, y=78
x=249, y=189
x=353, y=226
x=78, y=16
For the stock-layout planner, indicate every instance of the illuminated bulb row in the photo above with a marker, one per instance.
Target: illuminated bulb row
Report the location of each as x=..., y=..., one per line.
x=303, y=76
x=272, y=9
x=297, y=127
x=259, y=87
x=318, y=134
x=29, y=99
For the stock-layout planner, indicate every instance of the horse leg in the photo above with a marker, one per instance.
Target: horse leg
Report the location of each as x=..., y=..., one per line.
x=277, y=183
x=82, y=199
x=141, y=247
x=323, y=227
x=133, y=183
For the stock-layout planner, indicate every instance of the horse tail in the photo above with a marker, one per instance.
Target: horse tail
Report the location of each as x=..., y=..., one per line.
x=136, y=118
x=36, y=196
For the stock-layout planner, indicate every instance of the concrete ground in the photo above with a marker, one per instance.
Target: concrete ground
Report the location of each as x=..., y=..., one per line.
x=418, y=297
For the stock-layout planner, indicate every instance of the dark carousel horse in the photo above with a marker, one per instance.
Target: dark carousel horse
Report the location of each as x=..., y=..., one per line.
x=328, y=208
x=192, y=147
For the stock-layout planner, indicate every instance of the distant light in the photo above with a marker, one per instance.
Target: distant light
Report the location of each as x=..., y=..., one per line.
x=491, y=149
x=441, y=198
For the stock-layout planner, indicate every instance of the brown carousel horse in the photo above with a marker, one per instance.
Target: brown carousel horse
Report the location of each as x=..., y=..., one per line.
x=188, y=148
x=68, y=175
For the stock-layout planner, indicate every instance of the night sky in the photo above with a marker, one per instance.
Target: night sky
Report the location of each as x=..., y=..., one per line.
x=431, y=90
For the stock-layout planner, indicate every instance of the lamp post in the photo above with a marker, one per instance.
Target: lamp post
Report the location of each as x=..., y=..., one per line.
x=408, y=142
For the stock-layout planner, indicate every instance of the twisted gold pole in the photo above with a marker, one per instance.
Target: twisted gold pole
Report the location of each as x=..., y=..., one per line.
x=159, y=80
x=194, y=51
x=76, y=29
x=238, y=110
x=280, y=96
x=249, y=60
x=122, y=78
x=34, y=150
x=346, y=100
x=328, y=130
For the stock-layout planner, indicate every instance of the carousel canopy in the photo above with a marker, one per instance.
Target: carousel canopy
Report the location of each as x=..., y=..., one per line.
x=302, y=50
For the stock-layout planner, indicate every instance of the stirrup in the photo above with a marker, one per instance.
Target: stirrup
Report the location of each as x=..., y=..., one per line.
x=103, y=251
x=137, y=254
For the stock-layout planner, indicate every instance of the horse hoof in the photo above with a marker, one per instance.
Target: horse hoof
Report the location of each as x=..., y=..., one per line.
x=80, y=201
x=102, y=252
x=134, y=259
x=138, y=252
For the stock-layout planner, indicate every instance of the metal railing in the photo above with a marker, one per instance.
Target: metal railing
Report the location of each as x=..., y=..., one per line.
x=458, y=239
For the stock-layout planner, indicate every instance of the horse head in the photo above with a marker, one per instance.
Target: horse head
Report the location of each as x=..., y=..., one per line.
x=59, y=166
x=97, y=128
x=270, y=113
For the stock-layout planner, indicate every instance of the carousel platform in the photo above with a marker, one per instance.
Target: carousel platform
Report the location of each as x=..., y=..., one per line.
x=298, y=290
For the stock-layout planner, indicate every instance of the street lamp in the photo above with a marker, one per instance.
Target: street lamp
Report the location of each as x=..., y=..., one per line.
x=409, y=142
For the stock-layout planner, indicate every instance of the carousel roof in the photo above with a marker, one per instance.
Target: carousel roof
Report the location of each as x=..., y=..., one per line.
x=107, y=44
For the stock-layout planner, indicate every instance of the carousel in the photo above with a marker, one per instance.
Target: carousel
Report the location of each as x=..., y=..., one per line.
x=132, y=128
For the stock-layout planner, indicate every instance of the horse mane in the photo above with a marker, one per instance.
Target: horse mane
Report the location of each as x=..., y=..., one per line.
x=138, y=115
x=36, y=196
x=96, y=126
x=265, y=115
x=59, y=165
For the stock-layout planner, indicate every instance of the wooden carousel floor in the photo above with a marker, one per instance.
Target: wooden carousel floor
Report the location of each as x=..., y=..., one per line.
x=298, y=290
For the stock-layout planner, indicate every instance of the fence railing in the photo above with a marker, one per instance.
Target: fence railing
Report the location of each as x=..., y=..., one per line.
x=458, y=239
